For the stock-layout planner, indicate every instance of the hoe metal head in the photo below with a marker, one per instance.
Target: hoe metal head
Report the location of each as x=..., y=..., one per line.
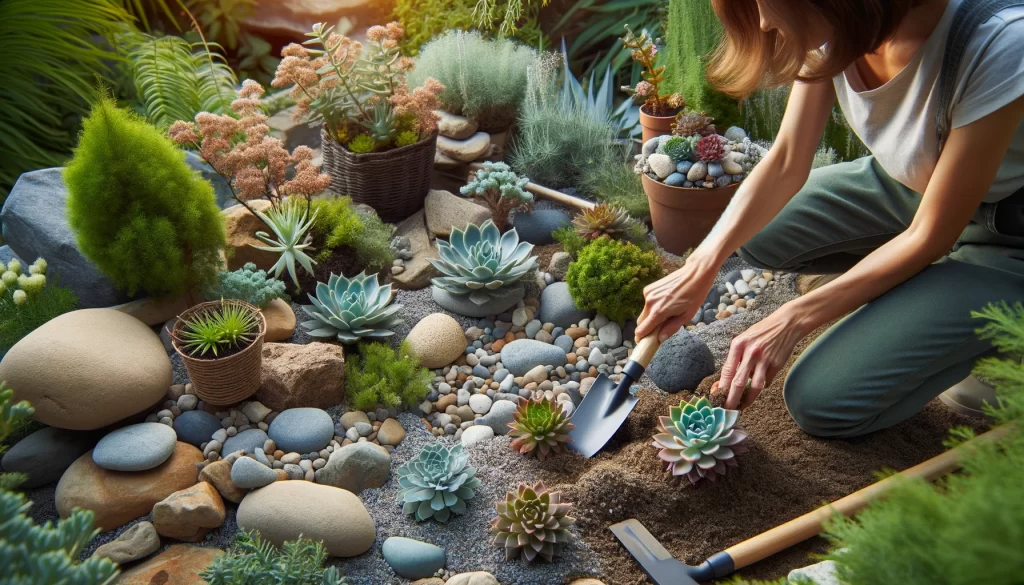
x=659, y=564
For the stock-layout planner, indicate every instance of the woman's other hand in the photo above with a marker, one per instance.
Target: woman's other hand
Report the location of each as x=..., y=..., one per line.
x=756, y=356
x=675, y=299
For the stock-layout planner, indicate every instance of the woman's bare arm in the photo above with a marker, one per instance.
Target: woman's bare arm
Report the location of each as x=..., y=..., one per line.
x=674, y=300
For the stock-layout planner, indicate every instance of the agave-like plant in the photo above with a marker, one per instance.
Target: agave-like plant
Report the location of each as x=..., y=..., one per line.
x=350, y=309
x=290, y=225
x=540, y=427
x=698, y=440
x=602, y=220
x=532, y=522
x=437, y=483
x=481, y=262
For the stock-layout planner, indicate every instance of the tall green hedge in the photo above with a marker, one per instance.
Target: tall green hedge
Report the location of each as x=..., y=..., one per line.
x=140, y=213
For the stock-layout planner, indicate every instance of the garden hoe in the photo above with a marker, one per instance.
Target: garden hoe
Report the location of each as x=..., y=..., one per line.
x=607, y=404
x=665, y=570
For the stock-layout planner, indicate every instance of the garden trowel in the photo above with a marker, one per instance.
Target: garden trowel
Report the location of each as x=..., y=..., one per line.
x=607, y=405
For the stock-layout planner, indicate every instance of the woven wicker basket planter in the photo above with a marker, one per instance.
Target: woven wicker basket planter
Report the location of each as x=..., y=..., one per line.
x=221, y=381
x=394, y=183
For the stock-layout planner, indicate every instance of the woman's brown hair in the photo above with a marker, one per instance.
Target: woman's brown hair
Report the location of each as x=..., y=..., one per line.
x=749, y=58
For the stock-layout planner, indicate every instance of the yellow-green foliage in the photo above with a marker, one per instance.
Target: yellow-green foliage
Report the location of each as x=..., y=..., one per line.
x=27, y=301
x=380, y=376
x=14, y=416
x=145, y=218
x=609, y=276
x=426, y=19
x=406, y=138
x=254, y=561
x=338, y=223
x=361, y=144
x=572, y=242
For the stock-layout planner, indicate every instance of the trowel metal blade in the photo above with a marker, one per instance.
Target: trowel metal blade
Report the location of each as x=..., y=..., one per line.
x=603, y=410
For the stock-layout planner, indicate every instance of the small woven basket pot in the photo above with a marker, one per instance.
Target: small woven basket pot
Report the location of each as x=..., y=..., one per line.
x=394, y=182
x=221, y=381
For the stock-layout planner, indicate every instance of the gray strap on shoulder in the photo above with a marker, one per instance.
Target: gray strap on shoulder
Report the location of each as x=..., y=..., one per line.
x=968, y=17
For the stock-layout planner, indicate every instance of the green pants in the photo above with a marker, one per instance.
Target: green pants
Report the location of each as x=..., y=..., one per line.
x=882, y=363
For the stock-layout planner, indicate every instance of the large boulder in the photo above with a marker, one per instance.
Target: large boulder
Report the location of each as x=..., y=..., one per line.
x=118, y=497
x=445, y=211
x=681, y=363
x=88, y=368
x=296, y=375
x=418, y=271
x=240, y=227
x=35, y=224
x=180, y=564
x=286, y=510
x=536, y=227
x=437, y=340
x=44, y=455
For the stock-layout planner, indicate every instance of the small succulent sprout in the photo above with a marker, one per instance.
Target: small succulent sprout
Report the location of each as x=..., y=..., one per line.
x=532, y=522
x=678, y=148
x=602, y=220
x=437, y=483
x=710, y=148
x=290, y=226
x=698, y=440
x=501, y=189
x=350, y=309
x=482, y=263
x=540, y=427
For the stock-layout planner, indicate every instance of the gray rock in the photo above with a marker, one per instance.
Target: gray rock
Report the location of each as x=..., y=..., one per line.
x=715, y=170
x=823, y=573
x=557, y=306
x=537, y=227
x=735, y=134
x=564, y=342
x=412, y=559
x=195, y=426
x=681, y=363
x=502, y=412
x=139, y=541
x=35, y=225
x=559, y=265
x=247, y=473
x=675, y=179
x=683, y=167
x=461, y=305
x=7, y=254
x=477, y=434
x=248, y=441
x=45, y=454
x=480, y=403
x=302, y=430
x=136, y=447
x=363, y=428
x=522, y=355
x=651, y=146
x=220, y=187
x=610, y=334
x=356, y=467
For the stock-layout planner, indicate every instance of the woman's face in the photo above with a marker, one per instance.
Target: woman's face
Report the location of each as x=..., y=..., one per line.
x=818, y=30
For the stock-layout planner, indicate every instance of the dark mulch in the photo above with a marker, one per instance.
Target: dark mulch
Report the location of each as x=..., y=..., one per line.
x=343, y=261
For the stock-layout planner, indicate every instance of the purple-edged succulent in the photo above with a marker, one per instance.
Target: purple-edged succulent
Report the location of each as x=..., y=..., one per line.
x=699, y=440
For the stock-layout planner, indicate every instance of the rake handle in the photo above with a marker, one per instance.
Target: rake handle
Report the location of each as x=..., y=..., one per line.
x=799, y=529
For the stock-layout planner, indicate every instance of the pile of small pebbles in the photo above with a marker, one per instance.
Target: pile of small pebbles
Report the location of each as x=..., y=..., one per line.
x=736, y=295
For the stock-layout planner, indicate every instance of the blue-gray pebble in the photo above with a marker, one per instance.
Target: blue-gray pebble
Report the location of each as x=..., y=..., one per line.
x=522, y=355
x=195, y=427
x=681, y=363
x=136, y=447
x=250, y=474
x=247, y=440
x=302, y=430
x=413, y=559
x=558, y=307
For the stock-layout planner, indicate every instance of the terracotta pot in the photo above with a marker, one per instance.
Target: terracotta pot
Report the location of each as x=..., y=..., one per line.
x=682, y=217
x=655, y=125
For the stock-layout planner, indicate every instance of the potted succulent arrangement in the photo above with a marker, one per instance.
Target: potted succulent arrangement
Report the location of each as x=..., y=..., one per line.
x=691, y=175
x=221, y=345
x=379, y=136
x=657, y=112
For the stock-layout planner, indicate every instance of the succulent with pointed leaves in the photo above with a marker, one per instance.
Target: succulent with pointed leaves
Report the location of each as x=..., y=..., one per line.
x=481, y=262
x=437, y=483
x=290, y=225
x=691, y=123
x=540, y=427
x=350, y=309
x=532, y=522
x=602, y=220
x=698, y=440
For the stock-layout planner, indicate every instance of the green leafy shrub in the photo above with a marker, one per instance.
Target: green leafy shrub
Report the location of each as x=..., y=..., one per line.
x=616, y=183
x=28, y=300
x=424, y=20
x=484, y=79
x=147, y=220
x=14, y=416
x=48, y=554
x=248, y=284
x=339, y=225
x=570, y=239
x=609, y=276
x=378, y=375
x=254, y=561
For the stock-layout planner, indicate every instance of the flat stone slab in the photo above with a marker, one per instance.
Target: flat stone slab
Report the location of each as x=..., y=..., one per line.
x=136, y=447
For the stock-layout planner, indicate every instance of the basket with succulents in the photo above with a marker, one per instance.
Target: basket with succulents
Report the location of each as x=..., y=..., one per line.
x=221, y=344
x=657, y=111
x=691, y=175
x=379, y=136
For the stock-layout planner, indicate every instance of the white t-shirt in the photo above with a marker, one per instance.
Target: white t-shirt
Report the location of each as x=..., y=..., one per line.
x=897, y=120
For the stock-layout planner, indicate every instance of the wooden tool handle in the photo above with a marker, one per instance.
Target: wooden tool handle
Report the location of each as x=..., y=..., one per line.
x=645, y=349
x=799, y=529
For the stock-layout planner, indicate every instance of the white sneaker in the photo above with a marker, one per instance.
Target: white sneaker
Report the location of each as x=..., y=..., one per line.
x=969, y=397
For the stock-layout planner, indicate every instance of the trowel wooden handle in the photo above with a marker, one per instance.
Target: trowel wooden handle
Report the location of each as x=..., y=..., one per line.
x=644, y=351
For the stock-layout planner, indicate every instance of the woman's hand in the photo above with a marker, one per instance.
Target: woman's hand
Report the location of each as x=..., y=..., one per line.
x=675, y=299
x=757, y=355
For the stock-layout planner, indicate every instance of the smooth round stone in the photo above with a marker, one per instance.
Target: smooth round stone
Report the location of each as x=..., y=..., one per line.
x=302, y=430
x=501, y=414
x=715, y=170
x=248, y=441
x=462, y=305
x=477, y=434
x=248, y=473
x=135, y=448
x=610, y=335
x=480, y=403
x=723, y=181
x=481, y=371
x=195, y=427
x=675, y=179
x=683, y=167
x=557, y=306
x=681, y=363
x=522, y=355
x=413, y=559
x=537, y=227
x=44, y=455
x=564, y=342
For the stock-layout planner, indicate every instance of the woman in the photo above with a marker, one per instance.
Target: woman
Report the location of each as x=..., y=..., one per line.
x=888, y=221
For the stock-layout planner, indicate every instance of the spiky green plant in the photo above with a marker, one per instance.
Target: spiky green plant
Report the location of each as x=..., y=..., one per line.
x=13, y=417
x=350, y=309
x=248, y=284
x=482, y=263
x=233, y=325
x=48, y=554
x=532, y=522
x=501, y=189
x=254, y=561
x=436, y=483
x=678, y=148
x=540, y=427
x=290, y=223
x=699, y=440
x=602, y=220
x=615, y=182
x=378, y=375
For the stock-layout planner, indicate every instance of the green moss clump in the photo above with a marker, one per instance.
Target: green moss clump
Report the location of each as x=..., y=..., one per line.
x=254, y=561
x=572, y=242
x=338, y=225
x=426, y=19
x=362, y=144
x=380, y=376
x=406, y=138
x=250, y=285
x=140, y=213
x=609, y=276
